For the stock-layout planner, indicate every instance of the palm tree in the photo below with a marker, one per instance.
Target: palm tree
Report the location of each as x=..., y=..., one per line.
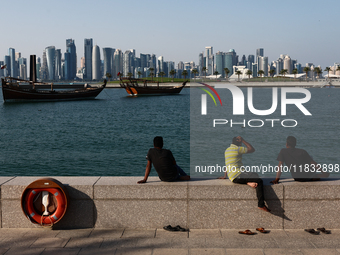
x=185, y=73
x=283, y=72
x=328, y=69
x=338, y=69
x=204, y=70
x=318, y=71
x=108, y=76
x=120, y=75
x=227, y=71
x=151, y=69
x=260, y=72
x=238, y=72
x=216, y=73
x=295, y=72
x=172, y=73
x=139, y=74
x=249, y=72
x=194, y=71
x=272, y=72
x=161, y=74
x=130, y=75
x=306, y=70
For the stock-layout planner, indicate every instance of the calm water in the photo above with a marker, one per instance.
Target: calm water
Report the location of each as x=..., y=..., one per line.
x=104, y=137
x=112, y=134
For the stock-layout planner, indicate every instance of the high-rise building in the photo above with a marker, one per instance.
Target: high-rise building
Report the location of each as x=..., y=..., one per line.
x=200, y=63
x=12, y=70
x=230, y=60
x=209, y=60
x=72, y=65
x=287, y=64
x=259, y=52
x=117, y=62
x=58, y=71
x=88, y=46
x=219, y=60
x=108, y=60
x=22, y=67
x=160, y=61
x=50, y=57
x=96, y=63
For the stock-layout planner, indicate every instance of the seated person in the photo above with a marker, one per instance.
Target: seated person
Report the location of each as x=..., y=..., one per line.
x=164, y=163
x=233, y=161
x=302, y=167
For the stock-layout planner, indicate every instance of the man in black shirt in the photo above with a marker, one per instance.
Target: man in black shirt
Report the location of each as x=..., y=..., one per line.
x=164, y=163
x=301, y=165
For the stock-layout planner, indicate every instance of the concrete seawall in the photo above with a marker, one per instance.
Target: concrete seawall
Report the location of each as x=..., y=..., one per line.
x=119, y=202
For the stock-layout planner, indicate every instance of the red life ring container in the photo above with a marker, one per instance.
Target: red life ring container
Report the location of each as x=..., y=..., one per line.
x=50, y=219
x=30, y=203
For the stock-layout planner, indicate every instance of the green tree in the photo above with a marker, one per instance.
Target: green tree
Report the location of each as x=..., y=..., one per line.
x=295, y=72
x=161, y=74
x=260, y=72
x=185, y=73
x=195, y=72
x=306, y=70
x=272, y=72
x=318, y=71
x=139, y=74
x=204, y=70
x=216, y=73
x=249, y=72
x=238, y=73
x=173, y=73
x=108, y=76
x=328, y=69
x=283, y=72
x=130, y=75
x=227, y=71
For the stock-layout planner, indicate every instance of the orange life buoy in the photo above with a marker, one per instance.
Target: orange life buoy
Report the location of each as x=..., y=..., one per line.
x=50, y=219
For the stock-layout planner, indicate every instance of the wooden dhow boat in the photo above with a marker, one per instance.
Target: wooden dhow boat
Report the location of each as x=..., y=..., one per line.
x=135, y=87
x=14, y=90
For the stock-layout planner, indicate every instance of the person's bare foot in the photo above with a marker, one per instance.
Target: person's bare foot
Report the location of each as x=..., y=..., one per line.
x=264, y=208
x=252, y=184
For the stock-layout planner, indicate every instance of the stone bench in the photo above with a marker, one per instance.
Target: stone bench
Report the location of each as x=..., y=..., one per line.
x=119, y=202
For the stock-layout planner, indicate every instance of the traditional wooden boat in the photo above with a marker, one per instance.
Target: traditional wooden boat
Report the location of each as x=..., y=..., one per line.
x=136, y=87
x=14, y=90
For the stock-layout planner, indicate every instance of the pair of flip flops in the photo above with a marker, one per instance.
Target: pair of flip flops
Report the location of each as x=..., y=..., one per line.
x=248, y=232
x=313, y=232
x=177, y=228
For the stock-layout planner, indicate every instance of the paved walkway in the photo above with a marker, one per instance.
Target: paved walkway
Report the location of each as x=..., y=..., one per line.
x=161, y=242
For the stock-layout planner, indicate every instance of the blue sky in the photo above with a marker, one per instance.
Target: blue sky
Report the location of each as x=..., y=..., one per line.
x=307, y=30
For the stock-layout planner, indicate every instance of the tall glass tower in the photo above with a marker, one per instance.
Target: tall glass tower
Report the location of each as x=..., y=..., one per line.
x=96, y=64
x=71, y=48
x=50, y=57
x=12, y=67
x=88, y=46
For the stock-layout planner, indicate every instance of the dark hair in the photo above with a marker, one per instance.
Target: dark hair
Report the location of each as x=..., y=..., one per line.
x=236, y=142
x=291, y=141
x=158, y=141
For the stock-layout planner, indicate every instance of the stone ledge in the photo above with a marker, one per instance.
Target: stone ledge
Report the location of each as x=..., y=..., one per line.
x=119, y=202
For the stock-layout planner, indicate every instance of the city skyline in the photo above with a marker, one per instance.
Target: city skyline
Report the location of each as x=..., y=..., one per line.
x=178, y=31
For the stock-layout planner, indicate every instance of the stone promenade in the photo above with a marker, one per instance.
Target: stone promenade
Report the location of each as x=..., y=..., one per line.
x=161, y=242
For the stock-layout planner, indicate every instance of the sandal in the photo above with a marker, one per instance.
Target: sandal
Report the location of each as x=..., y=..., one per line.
x=169, y=228
x=179, y=228
x=246, y=232
x=262, y=230
x=312, y=231
x=323, y=230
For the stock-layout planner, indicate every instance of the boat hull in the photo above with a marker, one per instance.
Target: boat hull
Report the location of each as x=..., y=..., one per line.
x=16, y=94
x=152, y=91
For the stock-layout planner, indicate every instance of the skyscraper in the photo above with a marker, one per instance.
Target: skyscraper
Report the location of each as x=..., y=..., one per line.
x=71, y=48
x=58, y=72
x=220, y=63
x=209, y=60
x=12, y=67
x=96, y=64
x=117, y=62
x=88, y=46
x=108, y=56
x=50, y=56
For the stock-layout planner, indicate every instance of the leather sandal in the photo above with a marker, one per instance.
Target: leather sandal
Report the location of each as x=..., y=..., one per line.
x=312, y=231
x=323, y=230
x=246, y=232
x=262, y=230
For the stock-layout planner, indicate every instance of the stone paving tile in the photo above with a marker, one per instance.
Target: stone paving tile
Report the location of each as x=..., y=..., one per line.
x=133, y=252
x=95, y=251
x=107, y=233
x=298, y=243
x=214, y=251
x=21, y=251
x=319, y=251
x=208, y=233
x=59, y=251
x=151, y=243
x=17, y=242
x=161, y=233
x=244, y=251
x=42, y=232
x=198, y=242
x=119, y=243
x=50, y=242
x=227, y=233
x=139, y=233
x=74, y=233
x=282, y=252
x=80, y=242
x=170, y=252
x=3, y=250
